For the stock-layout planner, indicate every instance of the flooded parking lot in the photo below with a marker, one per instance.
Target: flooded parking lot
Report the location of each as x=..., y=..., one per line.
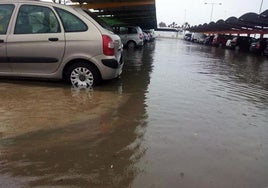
x=181, y=115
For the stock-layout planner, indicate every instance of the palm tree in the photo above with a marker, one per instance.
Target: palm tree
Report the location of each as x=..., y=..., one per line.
x=185, y=26
x=173, y=25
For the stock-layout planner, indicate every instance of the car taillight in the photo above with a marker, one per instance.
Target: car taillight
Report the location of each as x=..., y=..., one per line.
x=141, y=36
x=108, y=45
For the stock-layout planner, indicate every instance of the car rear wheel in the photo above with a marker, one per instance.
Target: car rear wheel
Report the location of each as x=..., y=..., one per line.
x=82, y=75
x=131, y=44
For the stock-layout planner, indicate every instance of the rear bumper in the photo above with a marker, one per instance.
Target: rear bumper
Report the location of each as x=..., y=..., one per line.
x=112, y=63
x=111, y=68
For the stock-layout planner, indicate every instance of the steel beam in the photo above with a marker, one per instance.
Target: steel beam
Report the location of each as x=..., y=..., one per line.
x=107, y=5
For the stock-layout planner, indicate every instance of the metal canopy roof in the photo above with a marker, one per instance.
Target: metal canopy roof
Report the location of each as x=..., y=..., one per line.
x=249, y=23
x=124, y=12
x=264, y=14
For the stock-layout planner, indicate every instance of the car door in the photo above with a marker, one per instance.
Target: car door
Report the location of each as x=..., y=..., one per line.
x=6, y=11
x=36, y=45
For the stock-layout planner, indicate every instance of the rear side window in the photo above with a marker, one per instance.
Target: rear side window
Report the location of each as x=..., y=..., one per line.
x=132, y=30
x=36, y=19
x=5, y=15
x=71, y=23
x=98, y=20
x=123, y=30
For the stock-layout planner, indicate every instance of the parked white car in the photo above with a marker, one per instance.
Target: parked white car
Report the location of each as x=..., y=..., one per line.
x=198, y=37
x=131, y=36
x=151, y=34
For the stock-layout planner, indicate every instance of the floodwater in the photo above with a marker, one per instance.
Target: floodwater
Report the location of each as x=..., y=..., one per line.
x=181, y=115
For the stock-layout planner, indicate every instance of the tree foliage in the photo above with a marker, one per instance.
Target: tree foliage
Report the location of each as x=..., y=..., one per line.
x=162, y=24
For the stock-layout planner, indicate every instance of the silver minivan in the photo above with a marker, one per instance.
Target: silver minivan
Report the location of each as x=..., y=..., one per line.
x=53, y=41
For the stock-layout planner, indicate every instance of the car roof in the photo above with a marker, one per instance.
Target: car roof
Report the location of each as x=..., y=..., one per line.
x=34, y=2
x=37, y=2
x=23, y=1
x=19, y=1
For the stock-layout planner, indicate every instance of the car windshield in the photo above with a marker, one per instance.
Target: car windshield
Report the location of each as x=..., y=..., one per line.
x=98, y=20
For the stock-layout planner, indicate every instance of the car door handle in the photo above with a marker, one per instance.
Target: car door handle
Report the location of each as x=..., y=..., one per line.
x=53, y=39
x=1, y=41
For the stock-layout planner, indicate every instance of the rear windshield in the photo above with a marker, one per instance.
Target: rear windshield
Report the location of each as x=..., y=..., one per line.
x=98, y=20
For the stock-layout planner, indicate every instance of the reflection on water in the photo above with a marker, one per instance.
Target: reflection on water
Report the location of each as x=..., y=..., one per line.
x=62, y=136
x=207, y=118
x=181, y=115
x=29, y=108
x=54, y=135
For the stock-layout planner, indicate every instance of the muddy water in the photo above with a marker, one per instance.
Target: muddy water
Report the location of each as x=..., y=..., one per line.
x=181, y=115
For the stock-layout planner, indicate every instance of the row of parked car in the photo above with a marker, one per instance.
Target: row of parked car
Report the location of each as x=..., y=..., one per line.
x=134, y=36
x=244, y=43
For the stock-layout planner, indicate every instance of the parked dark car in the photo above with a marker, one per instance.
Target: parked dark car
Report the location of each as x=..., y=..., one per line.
x=188, y=36
x=258, y=46
x=208, y=40
x=265, y=51
x=220, y=40
x=241, y=43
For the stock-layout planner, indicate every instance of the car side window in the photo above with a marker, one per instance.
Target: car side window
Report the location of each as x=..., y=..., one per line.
x=5, y=15
x=123, y=30
x=36, y=19
x=71, y=23
x=132, y=30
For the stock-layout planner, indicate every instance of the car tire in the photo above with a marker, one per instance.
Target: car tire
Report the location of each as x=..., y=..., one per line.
x=131, y=44
x=82, y=75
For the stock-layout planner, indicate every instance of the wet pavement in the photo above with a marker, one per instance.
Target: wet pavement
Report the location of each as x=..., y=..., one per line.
x=181, y=115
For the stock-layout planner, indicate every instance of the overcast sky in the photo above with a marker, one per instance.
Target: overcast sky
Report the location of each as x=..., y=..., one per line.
x=195, y=12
